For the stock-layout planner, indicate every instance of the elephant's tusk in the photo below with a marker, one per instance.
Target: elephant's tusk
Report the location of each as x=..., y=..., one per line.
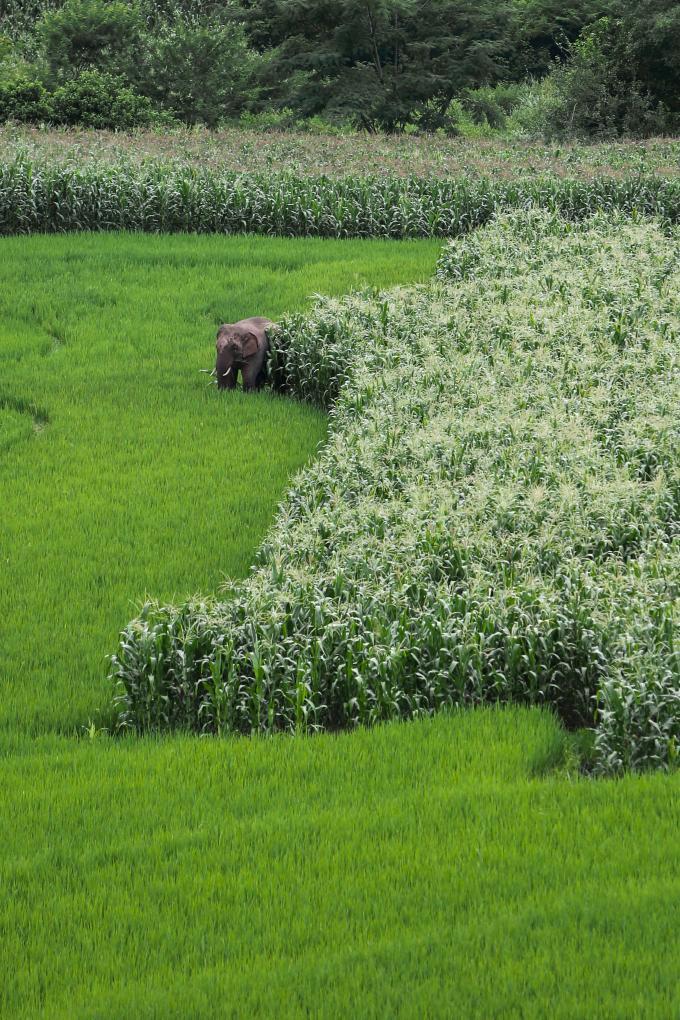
x=225, y=374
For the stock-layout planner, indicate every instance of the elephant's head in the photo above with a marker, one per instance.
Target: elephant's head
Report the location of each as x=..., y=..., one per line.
x=235, y=347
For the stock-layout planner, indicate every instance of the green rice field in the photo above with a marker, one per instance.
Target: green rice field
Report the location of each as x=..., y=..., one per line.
x=436, y=868
x=453, y=866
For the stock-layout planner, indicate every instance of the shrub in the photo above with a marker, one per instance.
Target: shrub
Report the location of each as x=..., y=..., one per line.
x=597, y=94
x=24, y=99
x=492, y=105
x=98, y=100
x=81, y=35
x=495, y=516
x=538, y=107
x=269, y=120
x=200, y=71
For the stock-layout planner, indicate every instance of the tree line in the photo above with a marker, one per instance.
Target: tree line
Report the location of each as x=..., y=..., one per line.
x=589, y=68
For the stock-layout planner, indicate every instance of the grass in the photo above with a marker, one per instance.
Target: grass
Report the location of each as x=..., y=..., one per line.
x=122, y=472
x=436, y=868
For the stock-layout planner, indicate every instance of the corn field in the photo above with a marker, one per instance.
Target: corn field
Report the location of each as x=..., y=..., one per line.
x=305, y=154
x=495, y=516
x=49, y=197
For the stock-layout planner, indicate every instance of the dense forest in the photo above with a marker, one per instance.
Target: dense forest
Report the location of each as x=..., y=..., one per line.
x=580, y=68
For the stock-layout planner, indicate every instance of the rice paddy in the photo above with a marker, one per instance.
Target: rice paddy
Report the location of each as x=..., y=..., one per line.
x=448, y=867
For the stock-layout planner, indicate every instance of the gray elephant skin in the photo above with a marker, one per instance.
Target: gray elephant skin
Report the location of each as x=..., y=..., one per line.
x=242, y=347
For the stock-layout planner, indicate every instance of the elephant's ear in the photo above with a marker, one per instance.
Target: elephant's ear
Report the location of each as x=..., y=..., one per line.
x=250, y=345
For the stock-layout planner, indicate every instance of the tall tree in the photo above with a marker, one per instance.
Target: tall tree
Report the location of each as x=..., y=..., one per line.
x=379, y=62
x=543, y=30
x=91, y=34
x=652, y=28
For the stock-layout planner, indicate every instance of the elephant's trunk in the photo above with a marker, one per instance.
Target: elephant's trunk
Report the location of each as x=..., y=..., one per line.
x=225, y=370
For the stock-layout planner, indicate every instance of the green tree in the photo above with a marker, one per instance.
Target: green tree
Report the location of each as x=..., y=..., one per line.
x=23, y=99
x=603, y=90
x=543, y=30
x=91, y=34
x=99, y=100
x=381, y=63
x=652, y=33
x=200, y=70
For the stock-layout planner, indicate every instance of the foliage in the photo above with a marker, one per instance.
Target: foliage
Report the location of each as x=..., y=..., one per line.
x=492, y=104
x=52, y=196
x=120, y=470
x=199, y=71
x=599, y=92
x=538, y=108
x=23, y=99
x=5, y=48
x=99, y=100
x=651, y=31
x=376, y=64
x=495, y=516
x=543, y=31
x=379, y=63
x=85, y=35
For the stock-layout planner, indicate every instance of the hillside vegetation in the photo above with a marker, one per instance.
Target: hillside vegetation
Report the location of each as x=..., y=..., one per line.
x=592, y=68
x=494, y=517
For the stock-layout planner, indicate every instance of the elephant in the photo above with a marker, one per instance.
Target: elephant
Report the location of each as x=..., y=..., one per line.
x=242, y=345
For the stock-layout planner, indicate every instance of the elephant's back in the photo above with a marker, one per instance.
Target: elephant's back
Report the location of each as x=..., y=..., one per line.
x=254, y=322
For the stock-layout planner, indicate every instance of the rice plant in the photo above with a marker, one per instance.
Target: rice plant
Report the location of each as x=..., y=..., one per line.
x=494, y=518
x=459, y=858
x=147, y=878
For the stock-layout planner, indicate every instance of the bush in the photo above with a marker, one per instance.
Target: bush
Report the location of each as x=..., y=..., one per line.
x=200, y=71
x=597, y=94
x=98, y=100
x=538, y=107
x=24, y=99
x=495, y=516
x=492, y=105
x=102, y=35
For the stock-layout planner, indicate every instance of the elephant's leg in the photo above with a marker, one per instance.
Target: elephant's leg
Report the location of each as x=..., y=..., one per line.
x=262, y=374
x=250, y=374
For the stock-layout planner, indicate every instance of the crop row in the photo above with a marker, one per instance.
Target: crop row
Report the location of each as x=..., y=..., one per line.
x=156, y=197
x=313, y=155
x=495, y=516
